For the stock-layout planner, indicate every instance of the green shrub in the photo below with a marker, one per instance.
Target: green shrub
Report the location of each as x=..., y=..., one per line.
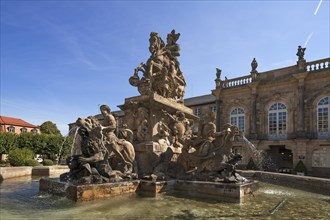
x=18, y=157
x=301, y=168
x=251, y=165
x=47, y=162
x=4, y=164
x=32, y=162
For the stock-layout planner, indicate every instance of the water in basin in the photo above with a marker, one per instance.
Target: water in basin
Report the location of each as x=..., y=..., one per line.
x=20, y=199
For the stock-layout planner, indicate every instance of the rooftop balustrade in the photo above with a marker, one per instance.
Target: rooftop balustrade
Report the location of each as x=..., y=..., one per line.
x=318, y=65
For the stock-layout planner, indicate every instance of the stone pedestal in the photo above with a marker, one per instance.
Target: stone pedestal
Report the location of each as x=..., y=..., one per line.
x=143, y=115
x=151, y=108
x=89, y=192
x=227, y=192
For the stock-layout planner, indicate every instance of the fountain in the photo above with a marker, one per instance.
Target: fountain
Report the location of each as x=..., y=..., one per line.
x=157, y=150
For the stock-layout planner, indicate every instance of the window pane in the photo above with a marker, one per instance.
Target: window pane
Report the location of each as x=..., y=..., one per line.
x=233, y=121
x=324, y=101
x=281, y=106
x=323, y=119
x=277, y=119
x=241, y=123
x=237, y=118
x=273, y=107
x=240, y=111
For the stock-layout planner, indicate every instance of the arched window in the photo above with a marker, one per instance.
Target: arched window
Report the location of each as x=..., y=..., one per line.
x=237, y=117
x=11, y=129
x=323, y=119
x=23, y=130
x=277, y=118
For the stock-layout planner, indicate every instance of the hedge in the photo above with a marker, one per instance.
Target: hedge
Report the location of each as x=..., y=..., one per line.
x=48, y=145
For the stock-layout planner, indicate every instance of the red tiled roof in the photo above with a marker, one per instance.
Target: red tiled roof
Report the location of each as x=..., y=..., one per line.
x=15, y=121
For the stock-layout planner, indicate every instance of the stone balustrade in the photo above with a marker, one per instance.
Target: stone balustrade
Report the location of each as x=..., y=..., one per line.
x=318, y=65
x=312, y=66
x=237, y=81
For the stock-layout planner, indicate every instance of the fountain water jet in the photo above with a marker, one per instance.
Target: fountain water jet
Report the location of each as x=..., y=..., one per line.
x=61, y=148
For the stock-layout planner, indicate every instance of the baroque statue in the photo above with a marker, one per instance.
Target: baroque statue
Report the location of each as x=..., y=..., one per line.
x=161, y=74
x=301, y=53
x=160, y=138
x=254, y=65
x=209, y=155
x=104, y=157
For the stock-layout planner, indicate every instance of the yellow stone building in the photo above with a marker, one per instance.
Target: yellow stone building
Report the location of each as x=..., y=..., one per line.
x=282, y=111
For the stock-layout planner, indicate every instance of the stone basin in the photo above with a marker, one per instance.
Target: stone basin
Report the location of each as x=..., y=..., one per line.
x=231, y=192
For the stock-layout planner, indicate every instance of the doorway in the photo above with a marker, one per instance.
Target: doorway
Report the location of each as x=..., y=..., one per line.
x=281, y=157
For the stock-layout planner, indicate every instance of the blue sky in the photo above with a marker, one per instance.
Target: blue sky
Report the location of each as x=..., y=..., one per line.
x=61, y=59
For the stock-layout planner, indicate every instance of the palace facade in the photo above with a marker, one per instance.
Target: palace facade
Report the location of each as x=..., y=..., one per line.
x=282, y=111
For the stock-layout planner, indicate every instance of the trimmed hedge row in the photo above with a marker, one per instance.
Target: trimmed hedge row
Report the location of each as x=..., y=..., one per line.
x=48, y=145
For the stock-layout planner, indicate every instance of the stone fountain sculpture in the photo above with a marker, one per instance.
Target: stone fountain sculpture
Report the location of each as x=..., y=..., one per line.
x=161, y=72
x=209, y=156
x=165, y=144
x=161, y=140
x=104, y=157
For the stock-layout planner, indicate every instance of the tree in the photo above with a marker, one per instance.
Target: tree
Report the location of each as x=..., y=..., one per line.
x=49, y=127
x=8, y=142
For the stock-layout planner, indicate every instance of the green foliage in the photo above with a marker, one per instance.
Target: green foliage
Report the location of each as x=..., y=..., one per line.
x=46, y=144
x=4, y=164
x=27, y=140
x=300, y=167
x=251, y=165
x=32, y=162
x=8, y=142
x=49, y=127
x=47, y=162
x=18, y=157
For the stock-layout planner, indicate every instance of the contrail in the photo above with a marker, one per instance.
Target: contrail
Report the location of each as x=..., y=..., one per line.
x=308, y=38
x=318, y=6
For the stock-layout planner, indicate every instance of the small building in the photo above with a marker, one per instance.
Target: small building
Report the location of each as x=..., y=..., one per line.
x=16, y=125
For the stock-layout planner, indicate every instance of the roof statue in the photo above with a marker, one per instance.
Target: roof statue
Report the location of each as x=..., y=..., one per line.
x=254, y=65
x=301, y=53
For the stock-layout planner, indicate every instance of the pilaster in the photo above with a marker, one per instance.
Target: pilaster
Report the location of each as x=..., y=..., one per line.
x=217, y=94
x=301, y=129
x=253, y=122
